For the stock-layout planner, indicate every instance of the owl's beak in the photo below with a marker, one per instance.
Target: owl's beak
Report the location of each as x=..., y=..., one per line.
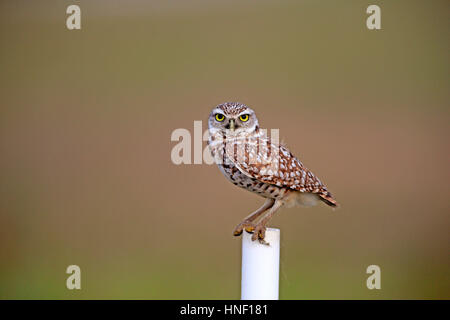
x=232, y=124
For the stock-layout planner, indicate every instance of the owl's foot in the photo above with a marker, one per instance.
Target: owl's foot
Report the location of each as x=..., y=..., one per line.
x=259, y=234
x=247, y=225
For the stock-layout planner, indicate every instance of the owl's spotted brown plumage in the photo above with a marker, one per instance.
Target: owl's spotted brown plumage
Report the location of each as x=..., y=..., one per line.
x=251, y=160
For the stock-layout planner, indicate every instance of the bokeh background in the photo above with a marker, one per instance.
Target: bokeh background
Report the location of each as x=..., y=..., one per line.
x=86, y=117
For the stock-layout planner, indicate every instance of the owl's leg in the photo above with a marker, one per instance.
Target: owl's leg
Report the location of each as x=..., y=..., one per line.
x=247, y=223
x=260, y=229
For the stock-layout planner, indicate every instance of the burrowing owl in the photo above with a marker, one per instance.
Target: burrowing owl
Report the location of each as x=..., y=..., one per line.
x=253, y=161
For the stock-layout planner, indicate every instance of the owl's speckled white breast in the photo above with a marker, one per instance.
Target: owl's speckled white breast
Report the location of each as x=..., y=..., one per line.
x=235, y=176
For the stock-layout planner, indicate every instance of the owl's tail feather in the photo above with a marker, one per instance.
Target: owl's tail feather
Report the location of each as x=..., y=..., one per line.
x=328, y=199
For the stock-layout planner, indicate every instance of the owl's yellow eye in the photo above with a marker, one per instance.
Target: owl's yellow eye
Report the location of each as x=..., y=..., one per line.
x=244, y=117
x=220, y=117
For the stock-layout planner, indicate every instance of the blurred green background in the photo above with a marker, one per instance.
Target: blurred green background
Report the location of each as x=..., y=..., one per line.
x=86, y=117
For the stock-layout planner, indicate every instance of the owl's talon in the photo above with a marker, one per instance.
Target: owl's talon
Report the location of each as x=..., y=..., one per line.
x=259, y=234
x=244, y=225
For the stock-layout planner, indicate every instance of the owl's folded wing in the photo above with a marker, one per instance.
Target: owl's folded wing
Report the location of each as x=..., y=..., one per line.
x=274, y=164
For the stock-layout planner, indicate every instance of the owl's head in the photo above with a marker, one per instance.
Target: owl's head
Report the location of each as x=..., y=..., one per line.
x=232, y=118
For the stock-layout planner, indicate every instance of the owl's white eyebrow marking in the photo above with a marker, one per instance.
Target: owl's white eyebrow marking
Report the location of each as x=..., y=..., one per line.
x=244, y=113
x=217, y=110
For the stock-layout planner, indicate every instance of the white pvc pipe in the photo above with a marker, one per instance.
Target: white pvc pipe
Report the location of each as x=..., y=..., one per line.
x=260, y=267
